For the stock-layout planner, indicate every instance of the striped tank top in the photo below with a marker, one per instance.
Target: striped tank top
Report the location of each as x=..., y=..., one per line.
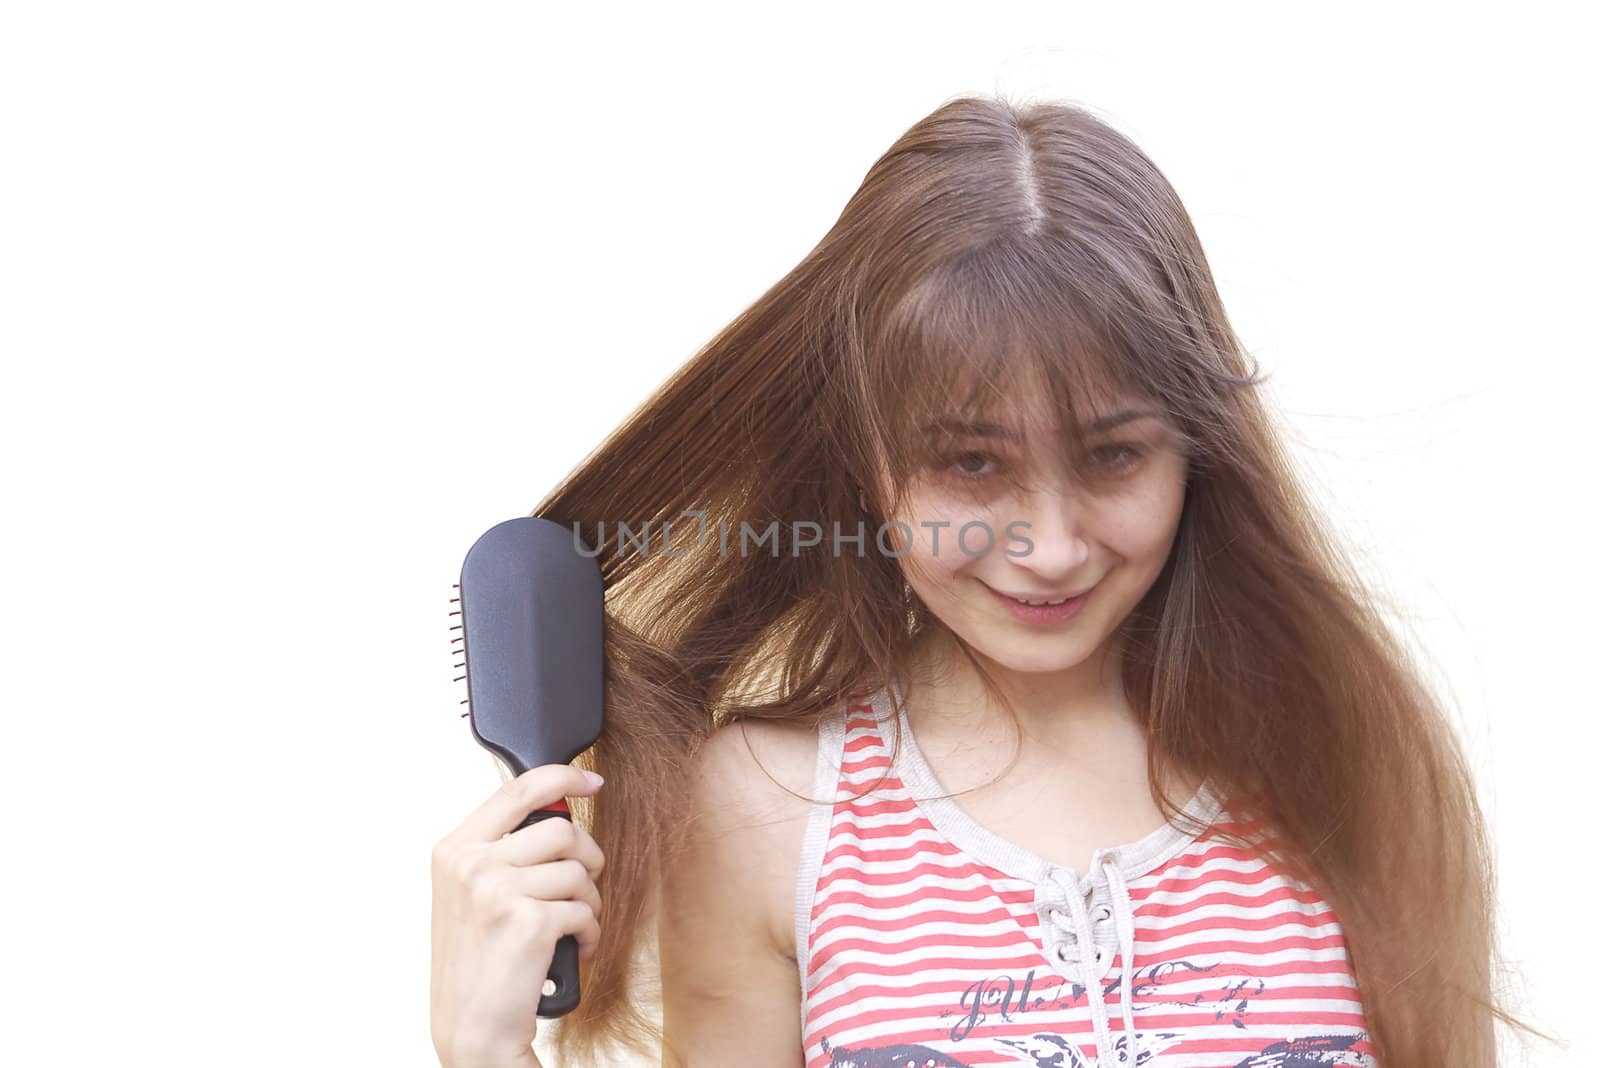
x=925, y=940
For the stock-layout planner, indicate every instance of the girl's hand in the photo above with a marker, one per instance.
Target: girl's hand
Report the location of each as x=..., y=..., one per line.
x=501, y=900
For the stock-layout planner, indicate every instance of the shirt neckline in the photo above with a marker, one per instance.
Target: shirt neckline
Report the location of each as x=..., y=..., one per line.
x=950, y=819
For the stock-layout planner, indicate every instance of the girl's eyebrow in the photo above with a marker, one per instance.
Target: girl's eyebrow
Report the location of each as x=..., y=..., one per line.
x=1118, y=418
x=956, y=426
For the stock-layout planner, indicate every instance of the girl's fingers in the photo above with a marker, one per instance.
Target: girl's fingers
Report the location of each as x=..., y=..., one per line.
x=551, y=839
x=575, y=918
x=560, y=880
x=508, y=806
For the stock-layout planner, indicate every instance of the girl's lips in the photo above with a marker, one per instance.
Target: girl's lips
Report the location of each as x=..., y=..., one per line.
x=1042, y=613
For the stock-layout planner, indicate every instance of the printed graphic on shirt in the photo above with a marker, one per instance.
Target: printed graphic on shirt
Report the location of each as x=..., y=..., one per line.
x=1005, y=999
x=1002, y=1001
x=1054, y=1051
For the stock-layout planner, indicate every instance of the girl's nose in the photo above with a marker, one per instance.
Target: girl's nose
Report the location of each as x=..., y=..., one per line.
x=1053, y=544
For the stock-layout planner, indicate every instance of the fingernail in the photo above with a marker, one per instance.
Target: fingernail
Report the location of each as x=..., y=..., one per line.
x=597, y=780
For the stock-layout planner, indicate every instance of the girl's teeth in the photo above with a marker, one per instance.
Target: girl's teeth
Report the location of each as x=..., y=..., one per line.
x=1037, y=603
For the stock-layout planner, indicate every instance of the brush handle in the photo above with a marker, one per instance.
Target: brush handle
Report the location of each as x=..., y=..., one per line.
x=564, y=964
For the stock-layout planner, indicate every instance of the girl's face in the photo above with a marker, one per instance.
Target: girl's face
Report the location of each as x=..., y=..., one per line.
x=1098, y=529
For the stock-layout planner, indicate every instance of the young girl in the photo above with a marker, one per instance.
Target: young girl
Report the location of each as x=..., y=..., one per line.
x=986, y=691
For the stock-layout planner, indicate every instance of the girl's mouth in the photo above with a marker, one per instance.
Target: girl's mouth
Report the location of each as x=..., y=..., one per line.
x=1042, y=610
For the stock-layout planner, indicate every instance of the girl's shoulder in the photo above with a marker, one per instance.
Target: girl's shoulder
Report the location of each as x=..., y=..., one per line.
x=751, y=771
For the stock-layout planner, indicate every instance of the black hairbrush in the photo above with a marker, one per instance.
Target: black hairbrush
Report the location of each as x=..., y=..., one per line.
x=531, y=626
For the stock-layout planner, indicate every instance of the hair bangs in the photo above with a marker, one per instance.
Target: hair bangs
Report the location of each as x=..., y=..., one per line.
x=963, y=344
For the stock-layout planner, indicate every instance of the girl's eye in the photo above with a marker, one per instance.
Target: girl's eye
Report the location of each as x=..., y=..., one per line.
x=1116, y=457
x=970, y=465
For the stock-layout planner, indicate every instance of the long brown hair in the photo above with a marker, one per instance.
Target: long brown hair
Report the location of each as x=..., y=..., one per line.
x=996, y=245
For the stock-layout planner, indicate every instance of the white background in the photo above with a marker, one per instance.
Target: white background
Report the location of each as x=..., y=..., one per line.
x=299, y=298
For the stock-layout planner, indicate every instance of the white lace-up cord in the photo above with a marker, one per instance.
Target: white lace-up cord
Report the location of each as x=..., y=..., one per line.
x=1092, y=969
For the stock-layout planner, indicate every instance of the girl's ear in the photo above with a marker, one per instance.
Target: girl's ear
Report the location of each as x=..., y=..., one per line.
x=861, y=495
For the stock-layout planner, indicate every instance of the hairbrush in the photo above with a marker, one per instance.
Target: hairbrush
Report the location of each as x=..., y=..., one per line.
x=531, y=634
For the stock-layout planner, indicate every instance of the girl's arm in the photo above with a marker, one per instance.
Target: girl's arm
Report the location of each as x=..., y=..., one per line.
x=730, y=994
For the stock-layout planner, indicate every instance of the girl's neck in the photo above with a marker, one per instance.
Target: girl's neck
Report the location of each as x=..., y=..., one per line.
x=949, y=697
x=1080, y=715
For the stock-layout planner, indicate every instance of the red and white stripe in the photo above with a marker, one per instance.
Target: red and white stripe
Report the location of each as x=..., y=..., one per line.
x=907, y=940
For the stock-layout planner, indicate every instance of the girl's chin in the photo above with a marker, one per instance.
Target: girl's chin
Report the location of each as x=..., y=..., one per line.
x=1041, y=655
